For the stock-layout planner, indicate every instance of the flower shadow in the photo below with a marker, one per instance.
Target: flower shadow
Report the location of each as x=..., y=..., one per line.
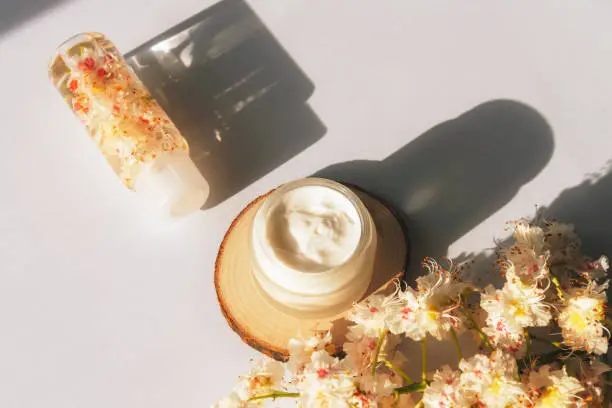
x=586, y=206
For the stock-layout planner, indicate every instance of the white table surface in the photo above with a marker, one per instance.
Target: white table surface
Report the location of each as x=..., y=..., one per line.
x=103, y=306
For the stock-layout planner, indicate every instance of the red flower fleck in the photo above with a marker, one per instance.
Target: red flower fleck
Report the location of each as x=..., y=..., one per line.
x=363, y=399
x=102, y=72
x=74, y=84
x=322, y=372
x=373, y=310
x=88, y=64
x=405, y=312
x=78, y=107
x=533, y=268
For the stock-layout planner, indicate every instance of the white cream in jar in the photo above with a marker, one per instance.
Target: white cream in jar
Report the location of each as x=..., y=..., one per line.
x=313, y=243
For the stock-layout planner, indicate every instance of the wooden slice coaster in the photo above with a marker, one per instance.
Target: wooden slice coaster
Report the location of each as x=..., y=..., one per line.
x=266, y=327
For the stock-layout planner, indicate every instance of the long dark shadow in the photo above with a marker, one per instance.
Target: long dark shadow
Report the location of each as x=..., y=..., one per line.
x=233, y=91
x=455, y=175
x=16, y=12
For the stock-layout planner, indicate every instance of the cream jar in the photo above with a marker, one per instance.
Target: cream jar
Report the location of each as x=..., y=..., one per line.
x=313, y=243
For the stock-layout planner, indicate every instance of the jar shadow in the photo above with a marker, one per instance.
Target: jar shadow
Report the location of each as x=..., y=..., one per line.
x=447, y=181
x=455, y=175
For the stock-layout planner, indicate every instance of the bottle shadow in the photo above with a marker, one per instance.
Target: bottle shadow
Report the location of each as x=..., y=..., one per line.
x=16, y=12
x=234, y=93
x=455, y=175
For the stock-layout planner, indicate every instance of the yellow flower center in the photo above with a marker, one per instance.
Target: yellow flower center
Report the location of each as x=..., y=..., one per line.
x=260, y=382
x=432, y=314
x=519, y=309
x=551, y=398
x=577, y=321
x=496, y=386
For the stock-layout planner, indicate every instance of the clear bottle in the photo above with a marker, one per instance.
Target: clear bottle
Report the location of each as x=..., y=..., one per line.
x=135, y=135
x=312, y=293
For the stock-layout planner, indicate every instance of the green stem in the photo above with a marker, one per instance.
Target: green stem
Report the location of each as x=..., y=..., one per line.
x=424, y=359
x=555, y=281
x=398, y=370
x=414, y=387
x=274, y=394
x=396, y=400
x=381, y=340
x=457, y=345
x=482, y=336
x=528, y=341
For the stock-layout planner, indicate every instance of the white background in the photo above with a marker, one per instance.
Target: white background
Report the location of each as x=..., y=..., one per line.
x=103, y=306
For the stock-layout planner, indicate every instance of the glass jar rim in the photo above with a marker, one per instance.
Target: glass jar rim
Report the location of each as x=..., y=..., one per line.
x=73, y=41
x=365, y=218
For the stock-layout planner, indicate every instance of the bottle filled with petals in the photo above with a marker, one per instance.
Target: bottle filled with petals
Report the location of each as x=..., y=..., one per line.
x=135, y=135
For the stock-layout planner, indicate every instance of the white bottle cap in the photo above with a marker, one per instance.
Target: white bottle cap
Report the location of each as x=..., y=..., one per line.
x=173, y=183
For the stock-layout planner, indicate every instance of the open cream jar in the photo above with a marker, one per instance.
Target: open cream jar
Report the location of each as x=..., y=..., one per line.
x=313, y=244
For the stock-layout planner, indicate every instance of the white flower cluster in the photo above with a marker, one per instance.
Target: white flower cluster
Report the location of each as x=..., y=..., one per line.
x=321, y=380
x=489, y=381
x=581, y=320
x=493, y=381
x=265, y=376
x=548, y=282
x=527, y=299
x=432, y=308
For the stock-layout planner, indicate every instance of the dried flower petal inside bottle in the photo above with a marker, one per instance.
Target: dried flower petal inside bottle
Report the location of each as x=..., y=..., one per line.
x=128, y=125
